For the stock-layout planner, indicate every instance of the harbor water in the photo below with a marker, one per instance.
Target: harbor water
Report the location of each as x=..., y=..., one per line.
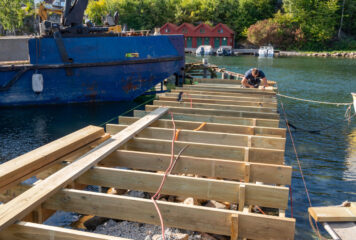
x=328, y=157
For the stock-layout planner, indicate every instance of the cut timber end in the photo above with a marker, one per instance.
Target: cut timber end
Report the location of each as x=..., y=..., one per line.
x=334, y=213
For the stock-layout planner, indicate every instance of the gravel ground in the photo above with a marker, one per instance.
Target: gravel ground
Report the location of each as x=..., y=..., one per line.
x=141, y=231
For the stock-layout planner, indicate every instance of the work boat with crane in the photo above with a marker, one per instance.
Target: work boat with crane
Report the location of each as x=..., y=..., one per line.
x=72, y=62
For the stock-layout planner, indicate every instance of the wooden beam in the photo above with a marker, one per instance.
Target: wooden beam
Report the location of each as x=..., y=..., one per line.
x=260, y=155
x=211, y=127
x=216, y=119
x=251, y=102
x=202, y=136
x=334, y=213
x=225, y=94
x=29, y=200
x=200, y=188
x=225, y=81
x=208, y=167
x=34, y=231
x=195, y=218
x=217, y=112
x=16, y=169
x=216, y=88
x=194, y=104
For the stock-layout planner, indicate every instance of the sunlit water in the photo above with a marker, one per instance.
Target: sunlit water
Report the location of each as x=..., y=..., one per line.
x=328, y=159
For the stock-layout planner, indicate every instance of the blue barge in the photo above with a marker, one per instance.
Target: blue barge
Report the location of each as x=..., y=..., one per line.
x=100, y=68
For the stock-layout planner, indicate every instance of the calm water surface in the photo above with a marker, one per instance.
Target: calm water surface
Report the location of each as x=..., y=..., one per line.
x=328, y=159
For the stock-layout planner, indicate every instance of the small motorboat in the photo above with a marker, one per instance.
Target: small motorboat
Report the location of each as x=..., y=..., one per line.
x=266, y=51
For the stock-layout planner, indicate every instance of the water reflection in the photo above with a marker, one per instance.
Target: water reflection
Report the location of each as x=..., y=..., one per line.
x=350, y=173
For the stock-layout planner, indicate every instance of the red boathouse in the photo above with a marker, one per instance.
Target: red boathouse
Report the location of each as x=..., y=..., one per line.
x=203, y=34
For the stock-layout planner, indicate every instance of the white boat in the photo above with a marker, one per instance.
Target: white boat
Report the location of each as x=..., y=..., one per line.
x=266, y=51
x=354, y=97
x=224, y=51
x=204, y=50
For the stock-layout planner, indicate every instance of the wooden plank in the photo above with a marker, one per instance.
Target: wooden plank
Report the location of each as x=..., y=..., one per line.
x=334, y=213
x=237, y=108
x=260, y=155
x=195, y=218
x=202, y=136
x=208, y=167
x=200, y=188
x=226, y=81
x=215, y=88
x=216, y=119
x=212, y=127
x=16, y=169
x=60, y=163
x=34, y=231
x=229, y=94
x=217, y=112
x=192, y=95
x=29, y=200
x=251, y=102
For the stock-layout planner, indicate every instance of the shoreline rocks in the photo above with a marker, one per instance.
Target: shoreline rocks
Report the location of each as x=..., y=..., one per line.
x=317, y=54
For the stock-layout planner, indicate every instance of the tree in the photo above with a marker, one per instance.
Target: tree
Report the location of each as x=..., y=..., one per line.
x=11, y=14
x=96, y=10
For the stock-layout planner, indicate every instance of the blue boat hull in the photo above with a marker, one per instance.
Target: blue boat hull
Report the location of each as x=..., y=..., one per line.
x=103, y=69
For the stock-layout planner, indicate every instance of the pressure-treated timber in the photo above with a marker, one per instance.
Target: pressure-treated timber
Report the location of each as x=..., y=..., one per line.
x=216, y=88
x=212, y=127
x=216, y=112
x=334, y=213
x=260, y=155
x=18, y=168
x=251, y=102
x=60, y=163
x=201, y=188
x=226, y=81
x=34, y=231
x=215, y=106
x=26, y=202
x=195, y=218
x=202, y=136
x=225, y=94
x=216, y=119
x=208, y=167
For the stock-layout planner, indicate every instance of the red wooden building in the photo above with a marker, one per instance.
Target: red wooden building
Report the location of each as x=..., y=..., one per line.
x=203, y=34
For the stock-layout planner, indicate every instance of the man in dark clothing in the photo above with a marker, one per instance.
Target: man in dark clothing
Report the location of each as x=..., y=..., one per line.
x=253, y=77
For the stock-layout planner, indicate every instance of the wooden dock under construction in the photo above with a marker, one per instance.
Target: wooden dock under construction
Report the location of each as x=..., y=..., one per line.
x=230, y=149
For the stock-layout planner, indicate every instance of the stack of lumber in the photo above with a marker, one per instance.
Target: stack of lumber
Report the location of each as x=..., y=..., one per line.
x=235, y=155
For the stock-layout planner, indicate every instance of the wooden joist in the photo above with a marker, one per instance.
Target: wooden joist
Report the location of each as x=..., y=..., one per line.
x=216, y=119
x=208, y=167
x=226, y=81
x=34, y=231
x=211, y=127
x=19, y=168
x=226, y=94
x=195, y=218
x=252, y=102
x=216, y=112
x=247, y=154
x=19, y=207
x=216, y=88
x=202, y=136
x=194, y=104
x=200, y=188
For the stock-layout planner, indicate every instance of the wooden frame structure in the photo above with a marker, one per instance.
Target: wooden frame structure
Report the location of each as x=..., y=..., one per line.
x=234, y=156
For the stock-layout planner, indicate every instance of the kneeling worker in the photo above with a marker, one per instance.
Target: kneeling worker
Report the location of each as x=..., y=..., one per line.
x=252, y=79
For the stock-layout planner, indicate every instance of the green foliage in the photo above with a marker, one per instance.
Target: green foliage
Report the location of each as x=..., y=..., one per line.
x=96, y=10
x=11, y=14
x=282, y=32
